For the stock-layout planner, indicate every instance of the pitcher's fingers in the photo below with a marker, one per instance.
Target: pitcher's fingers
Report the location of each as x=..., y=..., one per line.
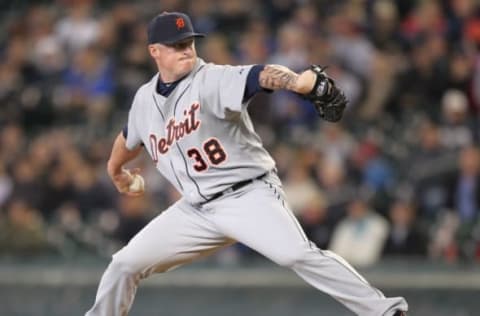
x=134, y=194
x=123, y=179
x=122, y=188
x=135, y=171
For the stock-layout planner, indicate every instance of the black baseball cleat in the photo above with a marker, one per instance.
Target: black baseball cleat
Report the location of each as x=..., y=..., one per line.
x=400, y=313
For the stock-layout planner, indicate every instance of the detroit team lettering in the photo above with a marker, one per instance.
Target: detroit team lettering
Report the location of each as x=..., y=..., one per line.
x=178, y=130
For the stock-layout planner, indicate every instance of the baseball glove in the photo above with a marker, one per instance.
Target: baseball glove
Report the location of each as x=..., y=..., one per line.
x=327, y=99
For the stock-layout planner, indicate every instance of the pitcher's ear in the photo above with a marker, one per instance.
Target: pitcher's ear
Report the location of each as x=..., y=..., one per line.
x=153, y=50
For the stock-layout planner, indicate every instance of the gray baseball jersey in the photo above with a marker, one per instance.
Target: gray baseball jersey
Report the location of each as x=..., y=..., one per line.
x=201, y=138
x=177, y=131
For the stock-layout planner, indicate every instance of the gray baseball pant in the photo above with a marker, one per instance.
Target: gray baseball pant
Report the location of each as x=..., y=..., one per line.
x=256, y=215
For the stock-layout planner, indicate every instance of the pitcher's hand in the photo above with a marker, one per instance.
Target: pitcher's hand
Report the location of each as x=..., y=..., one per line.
x=123, y=179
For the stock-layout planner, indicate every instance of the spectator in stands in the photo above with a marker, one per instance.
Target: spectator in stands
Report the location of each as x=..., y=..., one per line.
x=12, y=142
x=134, y=60
x=456, y=129
x=374, y=172
x=460, y=65
x=90, y=195
x=335, y=143
x=406, y=237
x=360, y=237
x=464, y=201
x=315, y=220
x=426, y=18
x=300, y=188
x=337, y=186
x=350, y=44
x=23, y=232
x=420, y=85
x=461, y=15
x=79, y=28
x=27, y=182
x=89, y=85
x=383, y=27
x=59, y=191
x=48, y=55
x=428, y=164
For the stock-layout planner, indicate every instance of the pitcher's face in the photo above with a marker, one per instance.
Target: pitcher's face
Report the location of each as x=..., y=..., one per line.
x=176, y=60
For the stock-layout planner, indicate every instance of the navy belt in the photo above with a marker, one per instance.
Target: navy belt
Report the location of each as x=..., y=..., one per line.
x=234, y=187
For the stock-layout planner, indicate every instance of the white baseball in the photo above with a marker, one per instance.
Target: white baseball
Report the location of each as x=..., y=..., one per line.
x=137, y=184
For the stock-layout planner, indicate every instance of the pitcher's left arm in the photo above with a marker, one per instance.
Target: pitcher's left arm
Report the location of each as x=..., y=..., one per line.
x=313, y=84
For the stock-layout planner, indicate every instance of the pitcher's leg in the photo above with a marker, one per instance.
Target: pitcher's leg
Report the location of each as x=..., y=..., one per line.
x=331, y=274
x=177, y=236
x=259, y=218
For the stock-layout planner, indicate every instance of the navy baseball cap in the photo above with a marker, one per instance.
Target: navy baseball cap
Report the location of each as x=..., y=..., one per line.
x=170, y=27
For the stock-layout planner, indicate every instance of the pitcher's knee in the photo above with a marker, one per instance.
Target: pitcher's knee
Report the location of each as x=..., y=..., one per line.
x=123, y=266
x=290, y=259
x=127, y=263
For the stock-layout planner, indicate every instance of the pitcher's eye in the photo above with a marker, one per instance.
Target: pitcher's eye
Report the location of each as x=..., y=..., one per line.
x=182, y=45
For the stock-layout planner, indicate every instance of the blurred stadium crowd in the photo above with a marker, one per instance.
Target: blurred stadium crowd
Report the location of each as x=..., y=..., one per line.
x=398, y=177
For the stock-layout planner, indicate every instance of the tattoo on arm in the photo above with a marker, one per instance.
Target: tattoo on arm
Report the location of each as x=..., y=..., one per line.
x=278, y=77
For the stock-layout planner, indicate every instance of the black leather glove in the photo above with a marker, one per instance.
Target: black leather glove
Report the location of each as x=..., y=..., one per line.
x=327, y=99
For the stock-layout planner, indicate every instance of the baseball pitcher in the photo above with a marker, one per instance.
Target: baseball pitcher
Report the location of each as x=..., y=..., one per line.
x=192, y=119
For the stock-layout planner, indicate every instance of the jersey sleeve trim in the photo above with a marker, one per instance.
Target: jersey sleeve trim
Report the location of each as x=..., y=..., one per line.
x=125, y=131
x=252, y=85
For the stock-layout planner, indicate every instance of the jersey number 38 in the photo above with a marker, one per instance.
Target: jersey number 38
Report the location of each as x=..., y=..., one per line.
x=214, y=152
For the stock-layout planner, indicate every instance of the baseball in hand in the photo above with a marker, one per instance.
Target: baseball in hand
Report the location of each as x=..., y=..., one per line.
x=137, y=184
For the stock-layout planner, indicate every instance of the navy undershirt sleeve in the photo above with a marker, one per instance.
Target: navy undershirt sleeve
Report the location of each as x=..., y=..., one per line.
x=252, y=85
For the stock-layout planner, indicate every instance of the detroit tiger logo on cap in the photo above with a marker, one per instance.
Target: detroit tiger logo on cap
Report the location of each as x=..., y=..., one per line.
x=170, y=27
x=180, y=23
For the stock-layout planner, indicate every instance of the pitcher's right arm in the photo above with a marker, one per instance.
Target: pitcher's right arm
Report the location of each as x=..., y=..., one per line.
x=119, y=156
